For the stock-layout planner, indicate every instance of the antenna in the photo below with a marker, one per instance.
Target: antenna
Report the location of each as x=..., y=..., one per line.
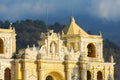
x=72, y=8
x=47, y=18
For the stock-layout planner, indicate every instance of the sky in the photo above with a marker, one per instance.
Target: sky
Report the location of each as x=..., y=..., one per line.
x=96, y=15
x=59, y=9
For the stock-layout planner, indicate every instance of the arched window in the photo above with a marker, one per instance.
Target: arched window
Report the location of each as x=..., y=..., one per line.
x=49, y=78
x=99, y=75
x=71, y=45
x=91, y=50
x=1, y=46
x=7, y=74
x=88, y=75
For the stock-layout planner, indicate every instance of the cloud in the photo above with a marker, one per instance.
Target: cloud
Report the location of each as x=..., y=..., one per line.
x=21, y=9
x=108, y=9
x=25, y=8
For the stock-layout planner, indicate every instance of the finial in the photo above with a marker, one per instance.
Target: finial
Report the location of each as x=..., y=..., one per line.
x=10, y=25
x=100, y=33
x=111, y=59
x=62, y=33
x=34, y=48
x=51, y=31
x=33, y=45
x=13, y=29
x=28, y=46
x=72, y=19
x=58, y=34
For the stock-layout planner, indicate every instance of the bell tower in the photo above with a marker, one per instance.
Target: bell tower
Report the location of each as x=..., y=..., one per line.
x=77, y=39
x=7, y=42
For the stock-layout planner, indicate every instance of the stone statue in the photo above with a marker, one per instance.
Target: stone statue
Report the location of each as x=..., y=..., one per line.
x=53, y=48
x=111, y=59
x=44, y=50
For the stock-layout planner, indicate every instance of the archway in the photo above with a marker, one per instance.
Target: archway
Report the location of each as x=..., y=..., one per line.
x=88, y=75
x=1, y=46
x=49, y=78
x=7, y=74
x=54, y=76
x=91, y=50
x=99, y=75
x=71, y=45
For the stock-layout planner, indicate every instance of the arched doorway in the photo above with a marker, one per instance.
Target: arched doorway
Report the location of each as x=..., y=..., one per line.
x=7, y=74
x=88, y=75
x=54, y=76
x=1, y=46
x=49, y=78
x=99, y=75
x=91, y=50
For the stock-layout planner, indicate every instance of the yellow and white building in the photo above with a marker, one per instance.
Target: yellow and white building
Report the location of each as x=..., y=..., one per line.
x=72, y=54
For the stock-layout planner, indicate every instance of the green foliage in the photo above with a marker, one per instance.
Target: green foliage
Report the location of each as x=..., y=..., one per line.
x=28, y=32
x=56, y=27
x=110, y=48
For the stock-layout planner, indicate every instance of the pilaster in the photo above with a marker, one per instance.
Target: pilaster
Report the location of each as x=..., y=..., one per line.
x=24, y=70
x=111, y=73
x=67, y=67
x=24, y=74
x=83, y=72
x=16, y=69
x=105, y=77
x=68, y=74
x=40, y=74
x=94, y=74
x=40, y=70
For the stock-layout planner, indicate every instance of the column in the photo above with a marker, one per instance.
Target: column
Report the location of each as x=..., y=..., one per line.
x=16, y=69
x=24, y=70
x=40, y=70
x=24, y=74
x=67, y=68
x=75, y=46
x=94, y=73
x=83, y=72
x=68, y=74
x=105, y=77
x=101, y=52
x=111, y=73
x=40, y=74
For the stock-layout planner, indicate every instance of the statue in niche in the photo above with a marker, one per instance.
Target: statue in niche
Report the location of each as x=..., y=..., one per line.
x=52, y=48
x=44, y=50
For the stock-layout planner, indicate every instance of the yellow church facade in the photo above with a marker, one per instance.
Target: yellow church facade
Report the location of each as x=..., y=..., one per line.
x=71, y=54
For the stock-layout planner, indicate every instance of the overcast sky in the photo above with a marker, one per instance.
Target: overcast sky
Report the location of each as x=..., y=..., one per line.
x=23, y=9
